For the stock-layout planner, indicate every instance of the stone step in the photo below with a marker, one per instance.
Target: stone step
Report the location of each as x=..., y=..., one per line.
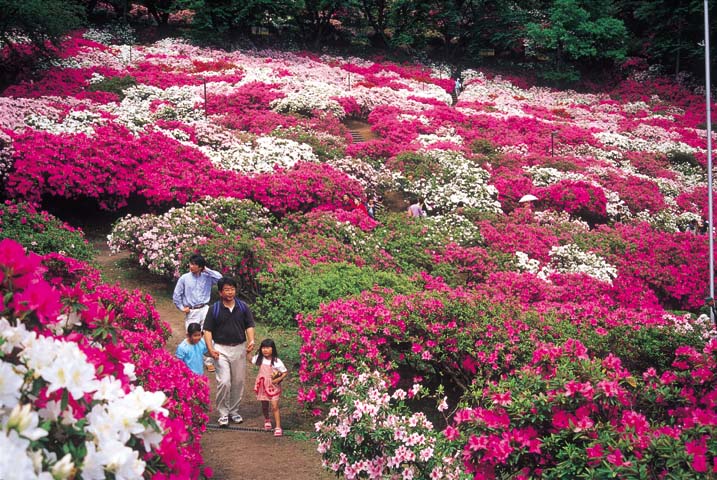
x=356, y=136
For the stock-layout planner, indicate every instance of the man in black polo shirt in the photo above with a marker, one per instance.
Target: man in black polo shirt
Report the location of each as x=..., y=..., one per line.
x=229, y=334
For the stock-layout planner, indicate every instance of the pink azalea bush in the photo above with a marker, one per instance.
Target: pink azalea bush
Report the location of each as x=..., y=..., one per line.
x=638, y=193
x=66, y=82
x=472, y=336
x=163, y=243
x=301, y=188
x=370, y=432
x=671, y=264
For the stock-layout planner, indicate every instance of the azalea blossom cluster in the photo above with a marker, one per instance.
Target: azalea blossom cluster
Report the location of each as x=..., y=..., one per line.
x=499, y=317
x=263, y=156
x=115, y=418
x=569, y=259
x=457, y=182
x=595, y=413
x=370, y=433
x=61, y=387
x=162, y=243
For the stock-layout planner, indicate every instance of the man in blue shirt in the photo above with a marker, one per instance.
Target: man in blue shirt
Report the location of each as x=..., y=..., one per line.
x=193, y=292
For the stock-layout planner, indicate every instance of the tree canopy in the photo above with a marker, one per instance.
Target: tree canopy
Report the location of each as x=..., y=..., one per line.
x=561, y=38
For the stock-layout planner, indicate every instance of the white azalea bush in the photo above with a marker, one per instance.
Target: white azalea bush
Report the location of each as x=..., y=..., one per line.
x=263, y=155
x=99, y=428
x=372, y=179
x=453, y=228
x=310, y=96
x=544, y=176
x=76, y=121
x=457, y=183
x=625, y=142
x=669, y=220
x=572, y=259
x=144, y=104
x=568, y=259
x=112, y=34
x=370, y=433
x=159, y=242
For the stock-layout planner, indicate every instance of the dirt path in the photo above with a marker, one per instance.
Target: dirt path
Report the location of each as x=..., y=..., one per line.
x=232, y=454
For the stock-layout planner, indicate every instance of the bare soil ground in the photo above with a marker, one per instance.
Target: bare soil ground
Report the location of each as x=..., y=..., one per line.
x=231, y=453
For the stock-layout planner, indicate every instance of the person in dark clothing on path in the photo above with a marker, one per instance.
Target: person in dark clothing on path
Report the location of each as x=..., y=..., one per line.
x=229, y=335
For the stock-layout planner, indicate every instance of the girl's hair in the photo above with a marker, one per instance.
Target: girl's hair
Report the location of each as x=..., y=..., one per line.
x=267, y=342
x=193, y=328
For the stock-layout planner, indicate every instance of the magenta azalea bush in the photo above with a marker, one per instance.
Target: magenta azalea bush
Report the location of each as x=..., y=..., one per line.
x=577, y=198
x=477, y=336
x=567, y=415
x=84, y=366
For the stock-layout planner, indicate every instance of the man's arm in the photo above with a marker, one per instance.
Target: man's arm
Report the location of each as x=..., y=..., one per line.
x=210, y=344
x=249, y=319
x=213, y=274
x=178, y=296
x=250, y=339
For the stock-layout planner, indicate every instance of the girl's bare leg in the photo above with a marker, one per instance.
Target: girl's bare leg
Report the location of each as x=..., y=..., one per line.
x=275, y=411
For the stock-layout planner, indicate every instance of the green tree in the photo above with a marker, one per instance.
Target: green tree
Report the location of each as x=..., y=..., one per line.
x=42, y=22
x=452, y=21
x=572, y=30
x=670, y=32
x=376, y=13
x=501, y=24
x=410, y=23
x=159, y=9
x=39, y=24
x=215, y=19
x=314, y=17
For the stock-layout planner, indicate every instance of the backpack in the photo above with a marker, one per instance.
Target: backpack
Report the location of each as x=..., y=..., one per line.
x=215, y=307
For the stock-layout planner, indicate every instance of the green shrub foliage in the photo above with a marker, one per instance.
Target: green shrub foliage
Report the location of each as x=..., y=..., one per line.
x=42, y=233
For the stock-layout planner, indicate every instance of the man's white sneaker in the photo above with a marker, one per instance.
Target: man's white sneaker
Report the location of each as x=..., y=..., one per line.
x=223, y=421
x=237, y=419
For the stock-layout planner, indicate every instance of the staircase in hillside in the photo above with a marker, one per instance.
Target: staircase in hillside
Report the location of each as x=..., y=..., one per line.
x=454, y=97
x=356, y=136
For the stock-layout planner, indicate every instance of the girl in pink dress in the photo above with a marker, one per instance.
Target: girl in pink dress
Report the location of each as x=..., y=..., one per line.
x=268, y=383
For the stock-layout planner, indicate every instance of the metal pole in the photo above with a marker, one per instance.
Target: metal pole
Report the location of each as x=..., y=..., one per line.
x=349, y=80
x=709, y=156
x=205, y=96
x=552, y=144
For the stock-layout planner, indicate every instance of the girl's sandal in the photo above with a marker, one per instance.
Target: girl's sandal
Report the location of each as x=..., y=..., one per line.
x=278, y=432
x=267, y=425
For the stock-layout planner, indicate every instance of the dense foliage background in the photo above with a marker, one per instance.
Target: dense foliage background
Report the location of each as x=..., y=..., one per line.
x=561, y=40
